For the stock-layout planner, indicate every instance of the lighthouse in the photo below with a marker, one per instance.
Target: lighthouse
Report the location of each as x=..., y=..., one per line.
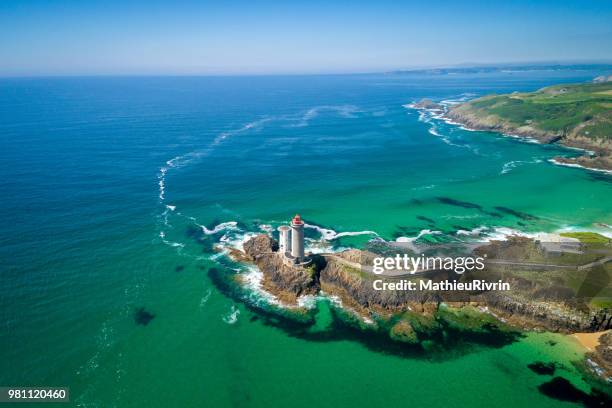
x=284, y=239
x=297, y=238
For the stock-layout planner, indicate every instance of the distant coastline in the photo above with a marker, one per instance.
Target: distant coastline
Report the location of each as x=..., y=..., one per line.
x=575, y=116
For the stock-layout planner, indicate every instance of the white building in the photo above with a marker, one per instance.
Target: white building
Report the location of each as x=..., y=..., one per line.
x=291, y=241
x=555, y=244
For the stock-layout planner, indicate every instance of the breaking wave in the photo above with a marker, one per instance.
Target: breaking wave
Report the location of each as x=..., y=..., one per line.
x=230, y=225
x=232, y=316
x=345, y=111
x=330, y=235
x=432, y=116
x=509, y=166
x=421, y=234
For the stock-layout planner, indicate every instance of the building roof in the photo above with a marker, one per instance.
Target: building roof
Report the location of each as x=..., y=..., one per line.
x=297, y=220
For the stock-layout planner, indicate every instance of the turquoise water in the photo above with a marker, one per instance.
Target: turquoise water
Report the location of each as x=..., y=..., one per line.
x=108, y=182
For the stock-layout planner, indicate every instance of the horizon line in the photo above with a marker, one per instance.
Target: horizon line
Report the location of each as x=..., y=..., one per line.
x=408, y=69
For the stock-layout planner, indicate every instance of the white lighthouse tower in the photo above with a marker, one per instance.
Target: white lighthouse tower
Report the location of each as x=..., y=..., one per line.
x=297, y=238
x=284, y=241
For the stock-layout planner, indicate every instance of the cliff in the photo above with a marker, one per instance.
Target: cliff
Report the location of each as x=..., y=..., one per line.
x=578, y=116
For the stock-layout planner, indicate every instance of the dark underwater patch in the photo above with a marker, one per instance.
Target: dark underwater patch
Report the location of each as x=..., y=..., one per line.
x=595, y=176
x=542, y=368
x=416, y=201
x=458, y=203
x=423, y=218
x=142, y=317
x=517, y=214
x=447, y=343
x=179, y=268
x=561, y=389
x=401, y=231
x=207, y=241
x=467, y=205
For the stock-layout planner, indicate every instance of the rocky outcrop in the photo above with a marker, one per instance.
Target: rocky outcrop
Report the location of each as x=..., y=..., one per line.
x=529, y=305
x=427, y=104
x=597, y=163
x=282, y=279
x=259, y=246
x=601, y=321
x=603, y=352
x=341, y=279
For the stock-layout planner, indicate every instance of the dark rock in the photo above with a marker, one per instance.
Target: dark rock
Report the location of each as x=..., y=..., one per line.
x=260, y=245
x=428, y=104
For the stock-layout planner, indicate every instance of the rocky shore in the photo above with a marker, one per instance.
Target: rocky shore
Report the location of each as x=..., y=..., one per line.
x=414, y=316
x=597, y=153
x=578, y=116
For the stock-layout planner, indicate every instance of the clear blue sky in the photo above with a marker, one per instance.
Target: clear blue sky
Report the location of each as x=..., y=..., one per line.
x=308, y=36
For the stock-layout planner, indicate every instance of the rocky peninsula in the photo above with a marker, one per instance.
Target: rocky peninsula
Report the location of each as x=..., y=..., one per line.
x=577, y=116
x=543, y=301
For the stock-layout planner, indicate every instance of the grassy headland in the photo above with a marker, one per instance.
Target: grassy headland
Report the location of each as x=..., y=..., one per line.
x=578, y=115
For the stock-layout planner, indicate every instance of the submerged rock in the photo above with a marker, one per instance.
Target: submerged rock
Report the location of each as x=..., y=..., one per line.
x=143, y=317
x=542, y=368
x=561, y=389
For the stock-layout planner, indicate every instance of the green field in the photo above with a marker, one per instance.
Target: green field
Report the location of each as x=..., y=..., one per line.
x=565, y=110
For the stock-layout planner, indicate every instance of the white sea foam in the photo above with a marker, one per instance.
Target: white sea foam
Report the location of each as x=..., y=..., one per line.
x=428, y=115
x=503, y=233
x=345, y=111
x=205, y=298
x=462, y=217
x=232, y=316
x=307, y=301
x=578, y=166
x=426, y=187
x=509, y=166
x=173, y=244
x=266, y=228
x=330, y=235
x=420, y=234
x=171, y=207
x=235, y=241
x=251, y=125
x=230, y=225
x=185, y=159
x=473, y=232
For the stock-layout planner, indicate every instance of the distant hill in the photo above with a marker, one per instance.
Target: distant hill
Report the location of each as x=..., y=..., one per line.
x=481, y=69
x=578, y=115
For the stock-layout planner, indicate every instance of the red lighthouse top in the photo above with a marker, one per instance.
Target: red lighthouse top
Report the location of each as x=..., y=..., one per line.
x=297, y=220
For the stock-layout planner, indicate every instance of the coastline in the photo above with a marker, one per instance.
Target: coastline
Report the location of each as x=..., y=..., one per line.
x=589, y=153
x=596, y=153
x=558, y=162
